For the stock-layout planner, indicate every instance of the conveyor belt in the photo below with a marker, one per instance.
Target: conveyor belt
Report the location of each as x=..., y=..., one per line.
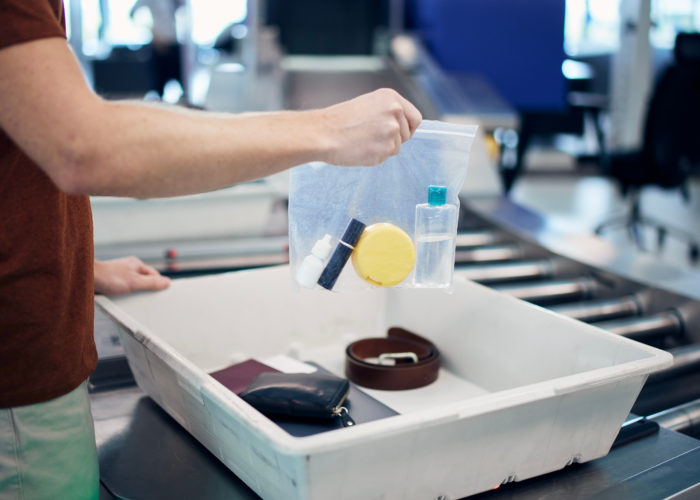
x=508, y=248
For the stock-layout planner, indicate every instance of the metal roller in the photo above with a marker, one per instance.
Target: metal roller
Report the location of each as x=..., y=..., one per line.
x=552, y=291
x=601, y=310
x=469, y=239
x=664, y=324
x=686, y=360
x=492, y=253
x=664, y=394
x=673, y=386
x=498, y=273
x=684, y=418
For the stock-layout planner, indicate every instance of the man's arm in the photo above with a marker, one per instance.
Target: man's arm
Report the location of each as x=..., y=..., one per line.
x=92, y=146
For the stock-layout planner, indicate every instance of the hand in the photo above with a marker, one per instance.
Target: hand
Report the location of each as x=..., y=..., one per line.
x=369, y=129
x=127, y=275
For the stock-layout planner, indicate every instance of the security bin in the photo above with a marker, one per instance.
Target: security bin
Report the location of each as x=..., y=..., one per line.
x=521, y=392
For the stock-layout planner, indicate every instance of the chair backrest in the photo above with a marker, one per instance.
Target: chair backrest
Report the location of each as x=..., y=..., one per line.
x=672, y=129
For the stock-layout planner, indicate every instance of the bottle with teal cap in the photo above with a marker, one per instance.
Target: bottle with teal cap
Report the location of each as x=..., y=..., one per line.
x=435, y=232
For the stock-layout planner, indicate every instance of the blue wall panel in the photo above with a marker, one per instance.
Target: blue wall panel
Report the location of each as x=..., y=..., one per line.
x=517, y=44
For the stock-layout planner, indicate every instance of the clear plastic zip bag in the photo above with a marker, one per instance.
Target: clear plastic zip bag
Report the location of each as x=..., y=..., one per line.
x=390, y=225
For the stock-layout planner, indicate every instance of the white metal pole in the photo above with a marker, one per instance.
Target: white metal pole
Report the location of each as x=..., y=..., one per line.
x=631, y=76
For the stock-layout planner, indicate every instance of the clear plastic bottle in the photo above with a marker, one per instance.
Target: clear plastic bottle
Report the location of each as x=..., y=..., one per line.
x=312, y=265
x=436, y=228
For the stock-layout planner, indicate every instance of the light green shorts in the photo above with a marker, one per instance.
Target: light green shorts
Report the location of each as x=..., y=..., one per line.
x=47, y=450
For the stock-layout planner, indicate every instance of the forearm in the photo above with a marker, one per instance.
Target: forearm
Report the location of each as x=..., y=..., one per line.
x=150, y=151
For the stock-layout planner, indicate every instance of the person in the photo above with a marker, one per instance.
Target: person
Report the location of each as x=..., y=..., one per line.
x=59, y=143
x=167, y=55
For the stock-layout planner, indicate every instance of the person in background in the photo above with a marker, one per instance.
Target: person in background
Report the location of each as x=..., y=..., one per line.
x=167, y=54
x=60, y=143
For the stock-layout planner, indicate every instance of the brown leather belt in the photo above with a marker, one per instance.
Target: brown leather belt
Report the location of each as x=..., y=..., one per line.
x=401, y=360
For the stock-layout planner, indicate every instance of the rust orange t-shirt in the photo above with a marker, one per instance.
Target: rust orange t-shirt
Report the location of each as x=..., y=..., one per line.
x=47, y=346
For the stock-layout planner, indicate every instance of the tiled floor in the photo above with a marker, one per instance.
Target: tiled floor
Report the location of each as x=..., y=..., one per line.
x=580, y=203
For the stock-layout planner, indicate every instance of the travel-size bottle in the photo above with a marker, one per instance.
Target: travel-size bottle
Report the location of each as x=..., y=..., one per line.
x=435, y=232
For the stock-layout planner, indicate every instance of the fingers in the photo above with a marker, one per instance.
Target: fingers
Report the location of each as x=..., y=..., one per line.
x=148, y=278
x=404, y=127
x=138, y=275
x=406, y=114
x=408, y=118
x=149, y=282
x=145, y=269
x=126, y=275
x=412, y=115
x=368, y=129
x=397, y=146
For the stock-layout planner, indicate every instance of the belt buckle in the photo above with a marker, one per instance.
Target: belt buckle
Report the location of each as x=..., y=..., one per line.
x=391, y=358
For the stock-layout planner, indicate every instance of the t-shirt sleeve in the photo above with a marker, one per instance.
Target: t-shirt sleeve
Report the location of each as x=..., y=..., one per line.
x=25, y=20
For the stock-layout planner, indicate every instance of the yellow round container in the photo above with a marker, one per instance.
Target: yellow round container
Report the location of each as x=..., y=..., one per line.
x=384, y=255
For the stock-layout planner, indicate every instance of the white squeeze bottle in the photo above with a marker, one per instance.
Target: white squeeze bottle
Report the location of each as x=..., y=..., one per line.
x=312, y=265
x=436, y=228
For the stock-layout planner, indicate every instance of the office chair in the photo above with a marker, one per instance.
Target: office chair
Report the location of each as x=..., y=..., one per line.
x=670, y=149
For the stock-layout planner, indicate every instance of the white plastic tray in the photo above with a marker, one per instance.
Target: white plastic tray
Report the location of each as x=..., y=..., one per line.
x=522, y=391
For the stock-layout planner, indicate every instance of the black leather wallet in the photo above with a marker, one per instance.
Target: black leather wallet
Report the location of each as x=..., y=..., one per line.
x=299, y=396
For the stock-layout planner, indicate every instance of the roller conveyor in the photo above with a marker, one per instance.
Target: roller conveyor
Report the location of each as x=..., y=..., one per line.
x=659, y=395
x=686, y=360
x=673, y=386
x=499, y=273
x=491, y=253
x=684, y=418
x=479, y=238
x=584, y=278
x=601, y=310
x=551, y=292
x=664, y=324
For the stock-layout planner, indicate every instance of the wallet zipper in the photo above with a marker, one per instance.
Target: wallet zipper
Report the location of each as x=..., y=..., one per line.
x=342, y=412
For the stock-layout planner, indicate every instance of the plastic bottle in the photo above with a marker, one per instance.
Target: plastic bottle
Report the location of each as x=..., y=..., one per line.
x=436, y=228
x=312, y=265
